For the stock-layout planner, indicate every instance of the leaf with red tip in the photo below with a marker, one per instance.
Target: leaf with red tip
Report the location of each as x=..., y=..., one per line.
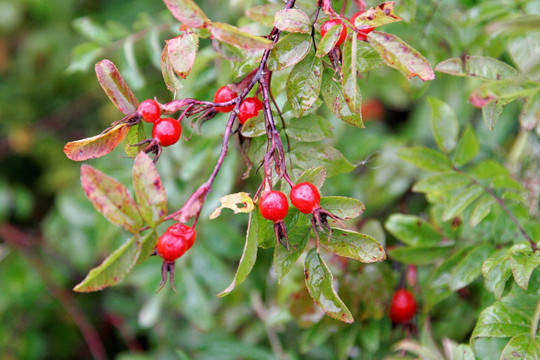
x=113, y=269
x=150, y=193
x=110, y=198
x=182, y=51
x=377, y=16
x=115, y=87
x=399, y=55
x=96, y=146
x=241, y=39
x=187, y=12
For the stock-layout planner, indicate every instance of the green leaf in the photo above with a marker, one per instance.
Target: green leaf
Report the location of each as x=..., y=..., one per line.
x=518, y=25
x=182, y=51
x=491, y=113
x=523, y=264
x=187, y=12
x=83, y=56
x=284, y=259
x=315, y=175
x=349, y=83
x=308, y=155
x=92, y=30
x=319, y=282
x=412, y=230
x=444, y=124
x=530, y=116
x=481, y=209
x=367, y=58
x=292, y=20
x=169, y=75
x=135, y=135
x=249, y=254
x=113, y=269
x=489, y=169
x=399, y=55
x=379, y=15
x=328, y=41
x=461, y=200
x=496, y=271
x=110, y=198
x=467, y=147
x=478, y=66
x=524, y=51
x=354, y=245
x=507, y=90
x=501, y=320
x=343, y=207
x=438, y=287
x=304, y=84
x=264, y=14
x=149, y=191
x=289, y=51
x=332, y=94
x=470, y=267
x=115, y=87
x=96, y=146
x=254, y=126
x=426, y=158
x=310, y=128
x=148, y=245
x=241, y=39
x=522, y=347
x=442, y=182
x=420, y=255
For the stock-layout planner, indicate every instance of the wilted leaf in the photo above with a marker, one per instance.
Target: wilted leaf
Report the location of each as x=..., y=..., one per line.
x=319, y=282
x=426, y=158
x=304, y=84
x=187, y=12
x=182, y=51
x=110, y=198
x=150, y=193
x=113, y=269
x=477, y=66
x=289, y=51
x=377, y=16
x=444, y=124
x=332, y=94
x=96, y=146
x=354, y=245
x=231, y=201
x=412, y=230
x=467, y=147
x=293, y=20
x=234, y=36
x=115, y=87
x=343, y=207
x=399, y=55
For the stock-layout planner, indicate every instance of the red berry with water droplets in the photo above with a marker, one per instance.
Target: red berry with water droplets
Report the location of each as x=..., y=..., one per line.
x=305, y=197
x=225, y=94
x=149, y=110
x=249, y=108
x=403, y=306
x=167, y=131
x=273, y=205
x=178, y=239
x=330, y=24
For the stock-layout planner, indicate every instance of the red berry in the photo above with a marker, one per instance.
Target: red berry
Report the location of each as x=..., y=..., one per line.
x=225, y=94
x=363, y=31
x=178, y=239
x=167, y=131
x=249, y=108
x=330, y=24
x=149, y=110
x=273, y=205
x=305, y=197
x=403, y=306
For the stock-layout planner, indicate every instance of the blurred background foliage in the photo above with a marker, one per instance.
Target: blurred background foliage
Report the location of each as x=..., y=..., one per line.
x=51, y=235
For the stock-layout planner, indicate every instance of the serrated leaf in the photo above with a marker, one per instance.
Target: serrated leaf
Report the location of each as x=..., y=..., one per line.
x=426, y=158
x=496, y=271
x=491, y=113
x=470, y=267
x=96, y=146
x=481, y=209
x=522, y=347
x=523, y=264
x=504, y=90
x=304, y=84
x=315, y=175
x=461, y=201
x=264, y=14
x=169, y=76
x=110, y=198
x=349, y=83
x=353, y=245
x=231, y=201
x=188, y=12
x=329, y=40
x=182, y=51
x=377, y=16
x=293, y=20
x=319, y=282
x=241, y=39
x=310, y=128
x=135, y=135
x=477, y=66
x=284, y=259
x=332, y=94
x=150, y=193
x=399, y=55
x=249, y=255
x=309, y=155
x=444, y=124
x=113, y=269
x=442, y=182
x=115, y=87
x=420, y=255
x=367, y=58
x=83, y=56
x=412, y=230
x=289, y=51
x=501, y=320
x=467, y=147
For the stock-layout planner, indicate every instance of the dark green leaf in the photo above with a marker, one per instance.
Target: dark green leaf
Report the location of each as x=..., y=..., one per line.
x=522, y=347
x=328, y=41
x=292, y=20
x=289, y=51
x=241, y=39
x=135, y=135
x=496, y=271
x=150, y=193
x=304, y=84
x=310, y=128
x=412, y=230
x=187, y=12
x=523, y=264
x=444, y=124
x=332, y=94
x=467, y=147
x=285, y=259
x=442, y=182
x=319, y=282
x=426, y=158
x=354, y=245
x=420, y=255
x=308, y=155
x=315, y=175
x=254, y=127
x=115, y=87
x=477, y=66
x=461, y=200
x=343, y=207
x=481, y=209
x=367, y=58
x=182, y=51
x=470, y=267
x=501, y=320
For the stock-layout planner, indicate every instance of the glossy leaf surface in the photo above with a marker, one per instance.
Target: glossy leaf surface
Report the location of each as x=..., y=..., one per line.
x=115, y=87
x=149, y=191
x=96, y=146
x=188, y=12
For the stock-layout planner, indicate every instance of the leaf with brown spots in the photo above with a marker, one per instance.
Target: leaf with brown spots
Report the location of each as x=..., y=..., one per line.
x=111, y=199
x=96, y=146
x=377, y=16
x=115, y=87
x=149, y=191
x=181, y=51
x=354, y=245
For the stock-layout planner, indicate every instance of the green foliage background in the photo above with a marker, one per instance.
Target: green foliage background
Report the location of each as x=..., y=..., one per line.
x=51, y=234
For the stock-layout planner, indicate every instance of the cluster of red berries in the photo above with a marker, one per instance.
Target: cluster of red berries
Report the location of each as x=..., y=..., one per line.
x=249, y=108
x=274, y=206
x=361, y=34
x=165, y=130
